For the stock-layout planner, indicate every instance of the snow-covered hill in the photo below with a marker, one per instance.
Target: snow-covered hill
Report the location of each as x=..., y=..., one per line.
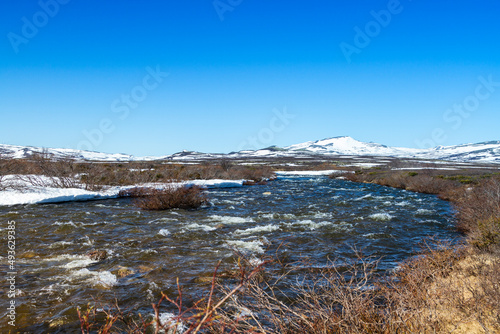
x=486, y=152
x=19, y=152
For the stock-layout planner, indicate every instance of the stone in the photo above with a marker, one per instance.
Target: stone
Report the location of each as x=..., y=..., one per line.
x=98, y=255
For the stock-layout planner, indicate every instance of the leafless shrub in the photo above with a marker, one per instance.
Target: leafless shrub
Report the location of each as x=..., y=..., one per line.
x=225, y=164
x=444, y=289
x=4, y=171
x=423, y=183
x=49, y=172
x=202, y=316
x=170, y=197
x=479, y=213
x=427, y=184
x=336, y=298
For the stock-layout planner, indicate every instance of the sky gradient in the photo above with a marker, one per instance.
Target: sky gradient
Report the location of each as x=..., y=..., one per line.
x=157, y=77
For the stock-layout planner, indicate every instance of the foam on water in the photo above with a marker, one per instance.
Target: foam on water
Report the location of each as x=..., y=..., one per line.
x=196, y=226
x=164, y=232
x=258, y=229
x=425, y=212
x=231, y=220
x=88, y=241
x=227, y=201
x=104, y=278
x=58, y=244
x=381, y=216
x=312, y=225
x=99, y=205
x=271, y=216
x=252, y=246
x=63, y=257
x=168, y=320
x=255, y=261
x=78, y=263
x=70, y=223
x=322, y=215
x=367, y=196
x=162, y=220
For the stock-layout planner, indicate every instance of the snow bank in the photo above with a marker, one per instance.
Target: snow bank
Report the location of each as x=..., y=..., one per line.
x=40, y=195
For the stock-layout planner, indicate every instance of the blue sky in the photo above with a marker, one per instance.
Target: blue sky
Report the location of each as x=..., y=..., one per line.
x=157, y=77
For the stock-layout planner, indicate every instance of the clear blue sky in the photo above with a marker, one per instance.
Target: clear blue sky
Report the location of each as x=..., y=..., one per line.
x=77, y=74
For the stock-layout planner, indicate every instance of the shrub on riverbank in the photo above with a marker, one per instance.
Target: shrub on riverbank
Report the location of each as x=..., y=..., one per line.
x=169, y=198
x=479, y=214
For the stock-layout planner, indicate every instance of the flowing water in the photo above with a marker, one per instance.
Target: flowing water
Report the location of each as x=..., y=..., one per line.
x=316, y=217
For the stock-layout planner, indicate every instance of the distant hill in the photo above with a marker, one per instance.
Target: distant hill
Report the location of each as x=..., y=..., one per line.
x=486, y=152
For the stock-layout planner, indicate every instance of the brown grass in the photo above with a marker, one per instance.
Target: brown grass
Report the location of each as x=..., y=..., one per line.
x=5, y=168
x=412, y=181
x=479, y=214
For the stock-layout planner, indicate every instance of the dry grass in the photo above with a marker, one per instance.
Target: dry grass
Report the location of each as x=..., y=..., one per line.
x=424, y=296
x=412, y=181
x=5, y=169
x=479, y=214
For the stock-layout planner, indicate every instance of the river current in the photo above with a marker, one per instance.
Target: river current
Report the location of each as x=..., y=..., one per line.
x=314, y=217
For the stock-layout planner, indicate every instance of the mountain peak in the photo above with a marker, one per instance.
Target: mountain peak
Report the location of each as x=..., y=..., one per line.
x=486, y=152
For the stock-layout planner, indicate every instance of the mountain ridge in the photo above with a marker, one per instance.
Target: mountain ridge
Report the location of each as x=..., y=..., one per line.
x=484, y=152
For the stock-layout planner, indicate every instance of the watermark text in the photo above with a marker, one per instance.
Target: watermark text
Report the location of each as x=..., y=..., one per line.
x=11, y=274
x=31, y=26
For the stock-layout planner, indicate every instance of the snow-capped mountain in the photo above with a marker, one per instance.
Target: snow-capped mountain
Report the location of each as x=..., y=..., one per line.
x=19, y=152
x=480, y=152
x=486, y=152
x=350, y=146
